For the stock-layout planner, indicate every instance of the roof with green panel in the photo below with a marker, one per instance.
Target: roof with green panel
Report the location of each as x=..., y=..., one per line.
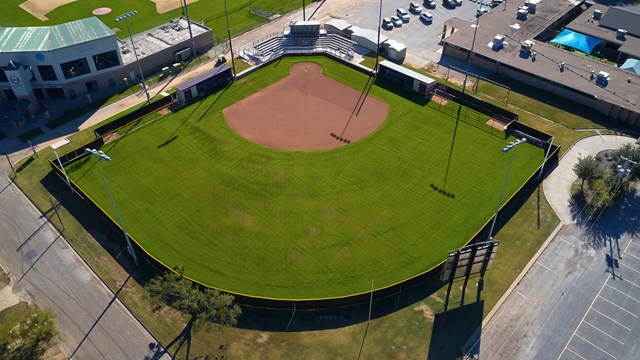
x=47, y=38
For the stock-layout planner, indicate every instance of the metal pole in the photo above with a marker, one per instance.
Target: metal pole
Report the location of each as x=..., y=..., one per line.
x=63, y=171
x=546, y=156
x=135, y=53
x=375, y=68
x=464, y=87
x=193, y=43
x=32, y=148
x=370, y=302
x=10, y=164
x=233, y=63
x=124, y=230
x=504, y=187
x=304, y=16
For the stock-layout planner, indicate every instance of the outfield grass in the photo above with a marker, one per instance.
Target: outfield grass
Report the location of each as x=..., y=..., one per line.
x=270, y=223
x=208, y=11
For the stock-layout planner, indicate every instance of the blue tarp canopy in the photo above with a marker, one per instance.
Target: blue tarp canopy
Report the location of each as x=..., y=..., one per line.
x=632, y=65
x=577, y=41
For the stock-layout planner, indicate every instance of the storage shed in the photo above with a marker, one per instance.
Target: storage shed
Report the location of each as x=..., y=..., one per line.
x=406, y=77
x=204, y=84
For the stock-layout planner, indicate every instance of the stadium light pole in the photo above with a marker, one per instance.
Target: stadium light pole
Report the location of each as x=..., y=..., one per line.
x=304, y=16
x=100, y=155
x=124, y=17
x=193, y=43
x=464, y=87
x=512, y=145
x=233, y=63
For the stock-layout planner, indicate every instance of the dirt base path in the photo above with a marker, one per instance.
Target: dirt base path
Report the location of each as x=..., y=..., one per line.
x=40, y=8
x=306, y=111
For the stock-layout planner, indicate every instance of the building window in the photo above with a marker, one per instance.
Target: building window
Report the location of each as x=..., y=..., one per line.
x=75, y=68
x=47, y=73
x=106, y=60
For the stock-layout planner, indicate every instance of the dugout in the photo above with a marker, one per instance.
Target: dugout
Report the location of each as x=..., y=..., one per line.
x=204, y=84
x=406, y=77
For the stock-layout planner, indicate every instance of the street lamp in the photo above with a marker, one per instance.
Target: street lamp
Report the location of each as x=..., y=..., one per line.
x=512, y=145
x=135, y=53
x=103, y=156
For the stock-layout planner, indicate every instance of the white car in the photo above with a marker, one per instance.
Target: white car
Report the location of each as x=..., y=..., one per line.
x=415, y=8
x=403, y=14
x=396, y=21
x=387, y=23
x=426, y=17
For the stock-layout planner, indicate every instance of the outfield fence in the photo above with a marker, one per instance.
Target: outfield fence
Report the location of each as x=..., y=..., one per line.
x=425, y=278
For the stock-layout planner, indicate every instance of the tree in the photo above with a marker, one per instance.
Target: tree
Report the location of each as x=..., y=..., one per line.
x=586, y=168
x=33, y=334
x=205, y=308
x=631, y=152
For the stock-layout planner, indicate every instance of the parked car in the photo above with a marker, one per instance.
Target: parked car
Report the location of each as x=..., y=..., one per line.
x=495, y=3
x=396, y=21
x=387, y=23
x=415, y=8
x=449, y=3
x=430, y=4
x=458, y=2
x=426, y=17
x=403, y=14
x=481, y=11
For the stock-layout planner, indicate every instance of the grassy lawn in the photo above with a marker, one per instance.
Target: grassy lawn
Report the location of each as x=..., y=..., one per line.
x=4, y=278
x=404, y=334
x=325, y=219
x=208, y=11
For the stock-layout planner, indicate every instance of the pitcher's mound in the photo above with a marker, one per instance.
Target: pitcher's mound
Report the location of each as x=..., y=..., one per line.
x=307, y=111
x=101, y=11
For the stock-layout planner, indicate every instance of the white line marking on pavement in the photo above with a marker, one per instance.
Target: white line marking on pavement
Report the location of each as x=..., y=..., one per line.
x=625, y=294
x=595, y=346
x=618, y=306
x=627, y=266
x=593, y=326
x=633, y=256
x=585, y=315
x=518, y=292
x=576, y=354
x=596, y=310
x=570, y=243
x=539, y=263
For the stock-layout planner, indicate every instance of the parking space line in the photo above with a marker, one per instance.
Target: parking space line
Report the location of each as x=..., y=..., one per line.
x=576, y=354
x=593, y=326
x=625, y=294
x=595, y=346
x=629, y=267
x=518, y=292
x=570, y=243
x=633, y=256
x=539, y=263
x=596, y=310
x=585, y=315
x=618, y=306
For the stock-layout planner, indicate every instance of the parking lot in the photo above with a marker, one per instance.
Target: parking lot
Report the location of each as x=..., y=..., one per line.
x=421, y=38
x=606, y=330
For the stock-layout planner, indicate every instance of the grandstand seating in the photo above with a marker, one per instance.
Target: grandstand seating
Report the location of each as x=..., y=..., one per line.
x=321, y=43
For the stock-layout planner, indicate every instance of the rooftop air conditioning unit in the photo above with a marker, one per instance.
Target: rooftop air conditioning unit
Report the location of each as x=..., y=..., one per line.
x=597, y=14
x=621, y=33
x=531, y=6
x=522, y=13
x=498, y=41
x=527, y=44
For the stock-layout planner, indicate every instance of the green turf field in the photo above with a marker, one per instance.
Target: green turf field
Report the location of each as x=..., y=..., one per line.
x=211, y=12
x=279, y=224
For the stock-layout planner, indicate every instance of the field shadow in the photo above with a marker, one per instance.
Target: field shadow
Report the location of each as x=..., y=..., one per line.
x=457, y=333
x=295, y=320
x=621, y=218
x=401, y=91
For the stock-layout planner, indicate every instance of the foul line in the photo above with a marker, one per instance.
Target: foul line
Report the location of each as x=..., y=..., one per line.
x=595, y=346
x=596, y=310
x=593, y=326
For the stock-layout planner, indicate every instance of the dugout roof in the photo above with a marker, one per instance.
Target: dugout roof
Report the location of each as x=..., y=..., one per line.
x=407, y=72
x=204, y=77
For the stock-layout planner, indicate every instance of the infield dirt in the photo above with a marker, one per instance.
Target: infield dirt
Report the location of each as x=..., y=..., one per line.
x=301, y=111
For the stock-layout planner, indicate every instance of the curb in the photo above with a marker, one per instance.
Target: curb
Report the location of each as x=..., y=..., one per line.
x=524, y=271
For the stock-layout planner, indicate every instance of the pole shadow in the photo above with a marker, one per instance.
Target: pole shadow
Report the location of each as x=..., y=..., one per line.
x=457, y=333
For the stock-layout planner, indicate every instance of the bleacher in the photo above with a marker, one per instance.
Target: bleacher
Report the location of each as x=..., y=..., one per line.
x=275, y=45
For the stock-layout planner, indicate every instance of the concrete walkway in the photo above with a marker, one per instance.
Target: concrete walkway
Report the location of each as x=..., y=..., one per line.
x=557, y=186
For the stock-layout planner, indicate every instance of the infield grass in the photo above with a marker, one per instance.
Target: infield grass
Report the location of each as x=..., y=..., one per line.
x=264, y=222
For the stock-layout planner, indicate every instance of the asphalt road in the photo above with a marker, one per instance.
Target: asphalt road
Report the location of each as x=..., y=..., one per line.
x=581, y=298
x=93, y=322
